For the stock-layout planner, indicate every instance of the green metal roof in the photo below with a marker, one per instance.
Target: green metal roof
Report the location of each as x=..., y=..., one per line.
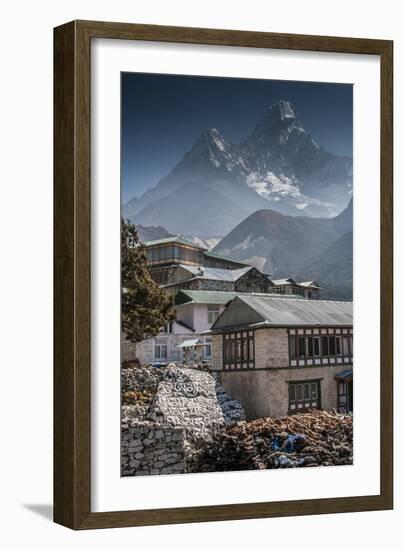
x=177, y=239
x=203, y=297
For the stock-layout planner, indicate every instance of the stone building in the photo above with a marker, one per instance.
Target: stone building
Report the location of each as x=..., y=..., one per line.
x=281, y=355
x=245, y=279
x=164, y=255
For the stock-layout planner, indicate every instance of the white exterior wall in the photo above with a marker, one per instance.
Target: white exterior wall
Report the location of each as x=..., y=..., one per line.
x=195, y=316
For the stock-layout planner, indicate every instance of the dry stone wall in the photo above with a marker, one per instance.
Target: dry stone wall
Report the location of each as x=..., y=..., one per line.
x=152, y=449
x=165, y=414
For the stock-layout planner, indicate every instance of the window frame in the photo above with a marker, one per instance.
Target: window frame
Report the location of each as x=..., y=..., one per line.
x=159, y=343
x=294, y=404
x=304, y=340
x=215, y=310
x=234, y=344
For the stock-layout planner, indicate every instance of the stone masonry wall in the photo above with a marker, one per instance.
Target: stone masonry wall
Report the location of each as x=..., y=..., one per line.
x=278, y=381
x=149, y=448
x=217, y=350
x=271, y=348
x=265, y=392
x=127, y=350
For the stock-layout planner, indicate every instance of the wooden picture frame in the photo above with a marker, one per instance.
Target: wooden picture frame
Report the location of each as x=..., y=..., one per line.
x=72, y=270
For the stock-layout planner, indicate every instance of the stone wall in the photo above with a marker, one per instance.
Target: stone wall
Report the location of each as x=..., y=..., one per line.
x=271, y=348
x=217, y=351
x=277, y=386
x=253, y=281
x=127, y=350
x=208, y=284
x=150, y=448
x=264, y=391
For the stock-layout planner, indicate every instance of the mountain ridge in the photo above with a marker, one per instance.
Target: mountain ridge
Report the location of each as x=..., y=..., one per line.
x=278, y=166
x=295, y=246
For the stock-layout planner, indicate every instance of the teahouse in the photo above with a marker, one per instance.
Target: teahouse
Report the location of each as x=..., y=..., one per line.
x=281, y=355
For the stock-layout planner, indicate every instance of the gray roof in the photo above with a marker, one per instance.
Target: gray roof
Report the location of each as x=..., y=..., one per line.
x=203, y=297
x=216, y=274
x=277, y=311
x=285, y=281
x=176, y=239
x=311, y=284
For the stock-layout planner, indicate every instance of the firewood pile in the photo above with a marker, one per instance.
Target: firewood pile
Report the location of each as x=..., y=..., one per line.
x=317, y=438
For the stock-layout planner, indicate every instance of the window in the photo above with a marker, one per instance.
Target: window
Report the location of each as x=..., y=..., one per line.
x=239, y=350
x=304, y=395
x=207, y=352
x=279, y=289
x=325, y=345
x=168, y=328
x=298, y=291
x=213, y=311
x=320, y=346
x=160, y=350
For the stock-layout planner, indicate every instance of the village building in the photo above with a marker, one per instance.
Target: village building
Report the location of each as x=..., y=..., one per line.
x=289, y=287
x=282, y=355
x=201, y=284
x=196, y=311
x=245, y=279
x=164, y=255
x=311, y=290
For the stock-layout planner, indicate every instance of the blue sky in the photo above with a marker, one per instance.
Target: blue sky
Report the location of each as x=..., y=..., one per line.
x=163, y=115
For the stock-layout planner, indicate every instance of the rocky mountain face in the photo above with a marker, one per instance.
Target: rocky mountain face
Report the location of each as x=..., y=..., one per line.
x=152, y=232
x=217, y=183
x=301, y=247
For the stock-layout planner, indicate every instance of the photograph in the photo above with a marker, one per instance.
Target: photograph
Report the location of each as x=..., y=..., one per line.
x=236, y=274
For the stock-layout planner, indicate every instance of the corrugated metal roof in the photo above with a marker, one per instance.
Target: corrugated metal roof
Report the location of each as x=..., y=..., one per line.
x=216, y=274
x=285, y=281
x=176, y=239
x=203, y=297
x=278, y=311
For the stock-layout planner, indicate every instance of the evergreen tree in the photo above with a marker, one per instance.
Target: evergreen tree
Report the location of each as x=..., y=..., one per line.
x=145, y=307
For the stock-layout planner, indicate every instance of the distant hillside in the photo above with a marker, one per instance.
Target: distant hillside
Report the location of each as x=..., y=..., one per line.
x=333, y=268
x=300, y=247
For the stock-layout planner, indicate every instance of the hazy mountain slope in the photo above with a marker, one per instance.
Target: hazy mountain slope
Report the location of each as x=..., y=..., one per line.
x=282, y=243
x=300, y=247
x=333, y=268
x=201, y=210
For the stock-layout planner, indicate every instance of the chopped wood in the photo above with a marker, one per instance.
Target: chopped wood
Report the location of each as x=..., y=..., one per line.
x=327, y=441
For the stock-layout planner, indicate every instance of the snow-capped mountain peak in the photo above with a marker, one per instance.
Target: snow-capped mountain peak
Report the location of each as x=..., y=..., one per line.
x=286, y=109
x=278, y=166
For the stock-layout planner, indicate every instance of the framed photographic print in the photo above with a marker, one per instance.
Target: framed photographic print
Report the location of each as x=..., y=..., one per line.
x=223, y=257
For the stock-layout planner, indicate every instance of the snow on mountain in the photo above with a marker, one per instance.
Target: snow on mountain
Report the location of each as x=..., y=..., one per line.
x=208, y=243
x=279, y=166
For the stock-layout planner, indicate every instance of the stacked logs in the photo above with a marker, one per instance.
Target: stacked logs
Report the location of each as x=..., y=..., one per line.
x=325, y=439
